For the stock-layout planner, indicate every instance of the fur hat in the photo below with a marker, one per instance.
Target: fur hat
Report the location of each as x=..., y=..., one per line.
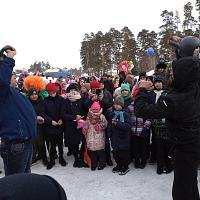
x=119, y=101
x=34, y=82
x=51, y=87
x=96, y=106
x=94, y=84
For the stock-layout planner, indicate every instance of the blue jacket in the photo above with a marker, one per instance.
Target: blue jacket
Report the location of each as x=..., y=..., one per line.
x=17, y=116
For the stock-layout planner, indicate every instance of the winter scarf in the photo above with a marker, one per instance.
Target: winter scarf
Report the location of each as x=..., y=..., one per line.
x=119, y=114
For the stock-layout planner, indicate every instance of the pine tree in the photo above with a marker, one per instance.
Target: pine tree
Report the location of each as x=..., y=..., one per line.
x=189, y=22
x=166, y=31
x=129, y=45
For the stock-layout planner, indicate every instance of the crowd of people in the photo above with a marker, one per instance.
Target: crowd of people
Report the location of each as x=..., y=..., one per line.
x=152, y=119
x=95, y=117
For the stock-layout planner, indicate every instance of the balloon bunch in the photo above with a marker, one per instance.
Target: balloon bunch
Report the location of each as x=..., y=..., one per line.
x=126, y=66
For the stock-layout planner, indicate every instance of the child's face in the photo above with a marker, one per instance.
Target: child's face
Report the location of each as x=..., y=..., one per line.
x=95, y=110
x=124, y=93
x=117, y=107
x=158, y=85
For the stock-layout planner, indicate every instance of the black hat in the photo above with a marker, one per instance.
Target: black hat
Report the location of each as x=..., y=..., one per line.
x=142, y=74
x=159, y=79
x=150, y=78
x=188, y=45
x=27, y=186
x=72, y=86
x=161, y=65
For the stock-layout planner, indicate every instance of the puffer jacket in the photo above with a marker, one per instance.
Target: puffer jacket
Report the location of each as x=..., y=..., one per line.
x=94, y=130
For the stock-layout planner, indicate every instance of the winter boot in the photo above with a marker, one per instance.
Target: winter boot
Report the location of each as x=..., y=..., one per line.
x=62, y=161
x=116, y=169
x=124, y=171
x=50, y=164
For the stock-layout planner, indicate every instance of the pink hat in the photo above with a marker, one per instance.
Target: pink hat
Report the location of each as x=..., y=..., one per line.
x=96, y=106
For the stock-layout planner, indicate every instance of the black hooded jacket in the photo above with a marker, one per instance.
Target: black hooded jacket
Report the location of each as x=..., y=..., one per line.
x=180, y=107
x=30, y=187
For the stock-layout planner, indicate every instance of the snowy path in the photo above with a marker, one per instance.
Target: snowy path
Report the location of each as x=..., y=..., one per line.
x=84, y=184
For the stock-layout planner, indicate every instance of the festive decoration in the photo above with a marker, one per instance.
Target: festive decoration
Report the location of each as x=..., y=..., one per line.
x=150, y=52
x=34, y=82
x=126, y=66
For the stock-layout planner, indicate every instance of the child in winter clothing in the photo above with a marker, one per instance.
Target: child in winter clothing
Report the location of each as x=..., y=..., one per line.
x=119, y=130
x=51, y=111
x=94, y=131
x=163, y=145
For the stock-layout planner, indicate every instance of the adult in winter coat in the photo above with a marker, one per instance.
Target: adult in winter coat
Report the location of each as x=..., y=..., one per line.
x=181, y=108
x=73, y=111
x=51, y=111
x=17, y=121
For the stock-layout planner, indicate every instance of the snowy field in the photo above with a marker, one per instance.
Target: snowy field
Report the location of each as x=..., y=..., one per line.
x=84, y=184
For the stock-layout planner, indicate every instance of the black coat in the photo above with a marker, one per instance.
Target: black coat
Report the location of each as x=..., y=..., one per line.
x=120, y=132
x=71, y=109
x=51, y=109
x=180, y=107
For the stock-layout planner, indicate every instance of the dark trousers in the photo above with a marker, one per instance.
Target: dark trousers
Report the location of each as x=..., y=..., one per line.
x=17, y=157
x=39, y=148
x=185, y=185
x=122, y=157
x=107, y=149
x=140, y=148
x=153, y=144
x=97, y=158
x=77, y=150
x=163, y=148
x=55, y=140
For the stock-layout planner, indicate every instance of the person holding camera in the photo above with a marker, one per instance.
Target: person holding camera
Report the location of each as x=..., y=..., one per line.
x=17, y=121
x=181, y=109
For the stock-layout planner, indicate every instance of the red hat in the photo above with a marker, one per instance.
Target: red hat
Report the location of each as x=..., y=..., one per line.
x=51, y=87
x=94, y=84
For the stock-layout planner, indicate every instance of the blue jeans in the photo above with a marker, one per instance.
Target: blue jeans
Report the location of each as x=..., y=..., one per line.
x=17, y=157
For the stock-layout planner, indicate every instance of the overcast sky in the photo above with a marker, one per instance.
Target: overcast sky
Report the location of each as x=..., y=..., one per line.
x=52, y=30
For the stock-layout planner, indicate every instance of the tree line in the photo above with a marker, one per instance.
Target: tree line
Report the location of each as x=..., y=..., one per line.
x=102, y=52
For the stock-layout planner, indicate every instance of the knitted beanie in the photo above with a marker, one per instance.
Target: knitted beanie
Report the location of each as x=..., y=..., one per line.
x=125, y=87
x=94, y=84
x=72, y=86
x=119, y=101
x=51, y=87
x=96, y=106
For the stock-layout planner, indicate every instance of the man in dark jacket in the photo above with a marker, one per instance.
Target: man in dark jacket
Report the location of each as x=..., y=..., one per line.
x=17, y=121
x=181, y=108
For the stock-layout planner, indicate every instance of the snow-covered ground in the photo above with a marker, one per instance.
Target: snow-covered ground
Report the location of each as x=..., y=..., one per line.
x=84, y=184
